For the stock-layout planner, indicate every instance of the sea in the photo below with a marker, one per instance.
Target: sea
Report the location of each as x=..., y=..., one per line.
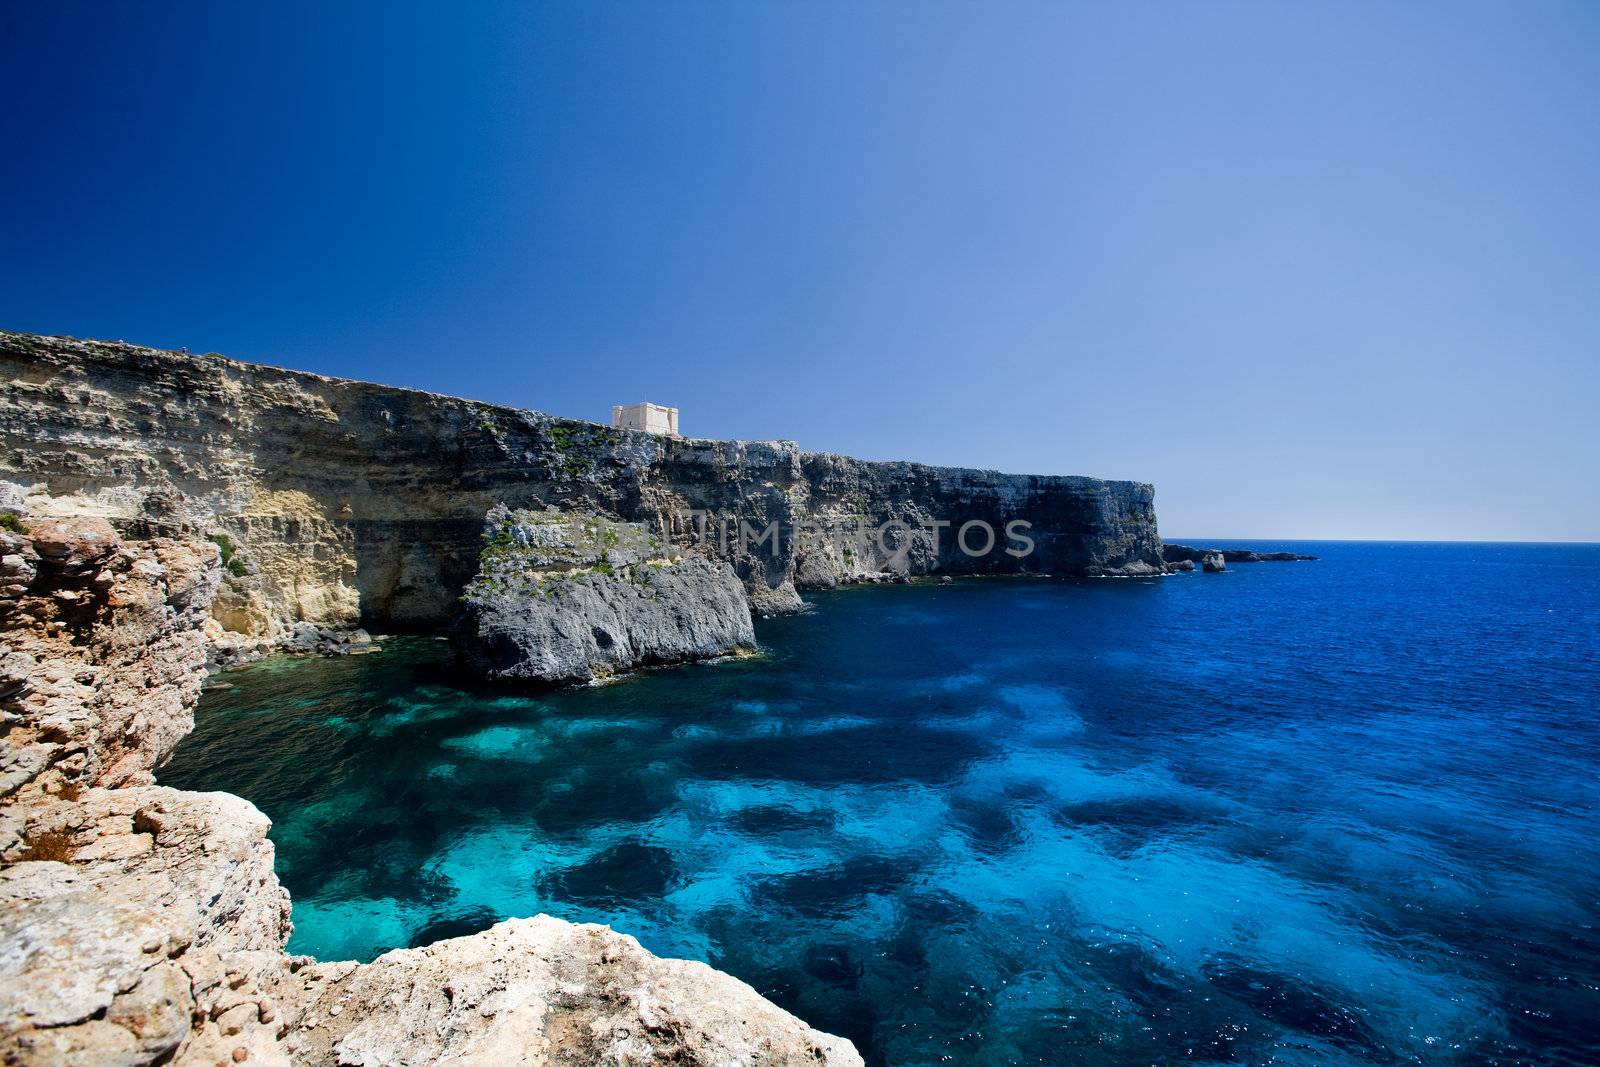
x=1331, y=812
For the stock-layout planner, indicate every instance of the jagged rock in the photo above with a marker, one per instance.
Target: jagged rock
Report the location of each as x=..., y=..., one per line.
x=16, y=673
x=105, y=645
x=570, y=598
x=1136, y=569
x=1181, y=565
x=21, y=764
x=1213, y=563
x=1175, y=553
x=19, y=565
x=141, y=883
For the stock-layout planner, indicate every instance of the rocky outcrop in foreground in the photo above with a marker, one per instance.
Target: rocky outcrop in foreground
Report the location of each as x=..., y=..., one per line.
x=544, y=991
x=116, y=906
x=143, y=925
x=344, y=503
x=561, y=598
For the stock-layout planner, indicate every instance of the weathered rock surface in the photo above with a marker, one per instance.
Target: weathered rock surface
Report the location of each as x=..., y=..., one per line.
x=354, y=503
x=1175, y=553
x=102, y=652
x=96, y=943
x=143, y=925
x=561, y=598
x=542, y=991
x=108, y=894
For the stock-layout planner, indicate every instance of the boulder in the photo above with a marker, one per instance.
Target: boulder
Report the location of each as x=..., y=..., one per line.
x=74, y=542
x=1213, y=563
x=311, y=639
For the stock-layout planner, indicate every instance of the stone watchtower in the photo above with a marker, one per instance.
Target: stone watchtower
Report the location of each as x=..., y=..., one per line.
x=651, y=418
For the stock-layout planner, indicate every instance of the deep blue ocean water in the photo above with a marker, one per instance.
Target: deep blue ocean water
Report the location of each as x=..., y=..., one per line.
x=1331, y=812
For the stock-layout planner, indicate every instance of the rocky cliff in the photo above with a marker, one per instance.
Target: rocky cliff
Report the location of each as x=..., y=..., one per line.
x=345, y=502
x=143, y=925
x=174, y=504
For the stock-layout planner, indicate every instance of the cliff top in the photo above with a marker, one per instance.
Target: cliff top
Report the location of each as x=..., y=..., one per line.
x=46, y=345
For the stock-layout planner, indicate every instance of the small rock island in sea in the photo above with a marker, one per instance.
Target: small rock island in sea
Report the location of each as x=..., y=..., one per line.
x=164, y=515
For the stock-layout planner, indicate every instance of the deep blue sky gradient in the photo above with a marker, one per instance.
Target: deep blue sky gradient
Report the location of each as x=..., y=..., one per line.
x=1315, y=270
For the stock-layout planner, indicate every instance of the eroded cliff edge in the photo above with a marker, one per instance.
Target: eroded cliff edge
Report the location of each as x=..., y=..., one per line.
x=348, y=502
x=144, y=925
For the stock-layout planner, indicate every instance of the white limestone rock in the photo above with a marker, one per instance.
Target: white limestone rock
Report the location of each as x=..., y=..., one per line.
x=531, y=992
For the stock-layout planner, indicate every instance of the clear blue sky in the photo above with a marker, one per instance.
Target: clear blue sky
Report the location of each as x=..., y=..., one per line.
x=1313, y=269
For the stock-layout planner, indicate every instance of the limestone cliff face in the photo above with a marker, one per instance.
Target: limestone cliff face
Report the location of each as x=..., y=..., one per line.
x=142, y=925
x=355, y=502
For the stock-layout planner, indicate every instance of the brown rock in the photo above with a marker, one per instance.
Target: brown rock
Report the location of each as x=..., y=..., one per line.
x=72, y=542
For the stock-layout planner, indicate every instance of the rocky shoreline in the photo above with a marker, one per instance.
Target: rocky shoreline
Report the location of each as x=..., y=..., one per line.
x=144, y=925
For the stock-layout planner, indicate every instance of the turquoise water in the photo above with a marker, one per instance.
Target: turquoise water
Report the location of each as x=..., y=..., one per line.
x=1332, y=812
